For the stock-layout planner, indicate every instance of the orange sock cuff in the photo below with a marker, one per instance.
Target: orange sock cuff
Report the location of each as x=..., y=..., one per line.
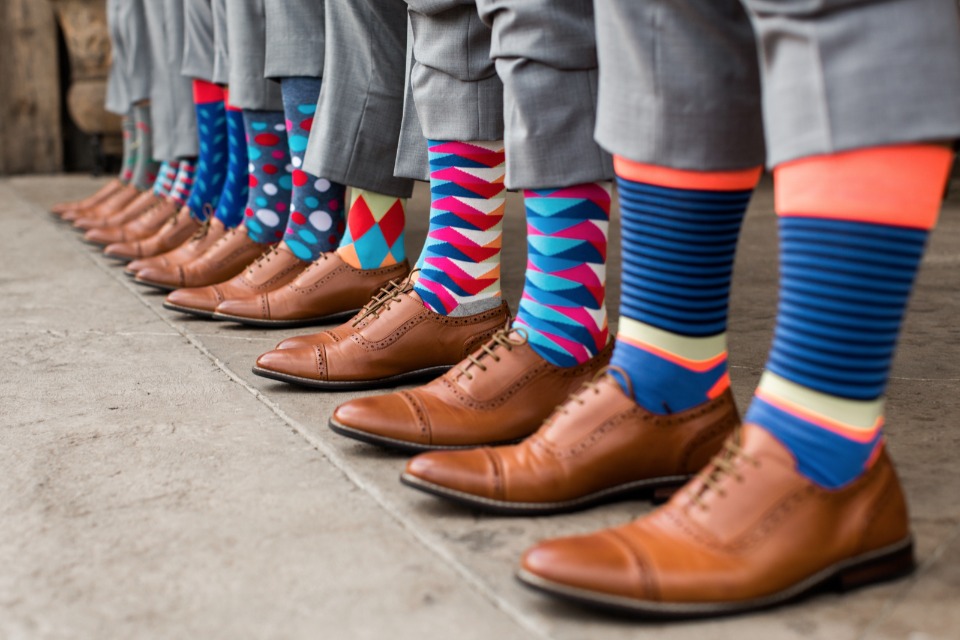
x=900, y=185
x=738, y=180
x=204, y=92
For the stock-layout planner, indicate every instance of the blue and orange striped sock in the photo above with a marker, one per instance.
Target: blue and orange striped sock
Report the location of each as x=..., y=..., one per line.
x=233, y=196
x=460, y=262
x=853, y=227
x=166, y=176
x=680, y=231
x=183, y=185
x=211, y=171
x=563, y=306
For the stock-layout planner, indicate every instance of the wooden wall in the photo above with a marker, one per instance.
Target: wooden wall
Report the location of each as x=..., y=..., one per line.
x=30, y=130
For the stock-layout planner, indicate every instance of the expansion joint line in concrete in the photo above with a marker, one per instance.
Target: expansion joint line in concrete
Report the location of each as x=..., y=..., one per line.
x=394, y=511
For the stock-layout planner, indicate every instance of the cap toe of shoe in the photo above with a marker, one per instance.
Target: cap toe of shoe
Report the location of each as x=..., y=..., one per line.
x=387, y=416
x=598, y=563
x=469, y=471
x=201, y=299
x=300, y=362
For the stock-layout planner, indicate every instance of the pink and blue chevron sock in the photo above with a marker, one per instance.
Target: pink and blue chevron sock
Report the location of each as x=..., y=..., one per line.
x=211, y=171
x=563, y=304
x=268, y=202
x=233, y=197
x=460, y=262
x=317, y=205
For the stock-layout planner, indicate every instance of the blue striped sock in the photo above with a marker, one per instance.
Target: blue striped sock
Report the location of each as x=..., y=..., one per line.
x=678, y=252
x=844, y=291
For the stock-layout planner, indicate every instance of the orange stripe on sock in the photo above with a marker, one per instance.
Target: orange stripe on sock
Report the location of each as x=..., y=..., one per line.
x=875, y=454
x=698, y=366
x=204, y=92
x=721, y=385
x=898, y=185
x=739, y=180
x=822, y=421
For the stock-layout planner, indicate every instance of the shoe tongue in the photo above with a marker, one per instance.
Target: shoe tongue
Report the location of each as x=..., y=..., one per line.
x=755, y=441
x=580, y=415
x=270, y=265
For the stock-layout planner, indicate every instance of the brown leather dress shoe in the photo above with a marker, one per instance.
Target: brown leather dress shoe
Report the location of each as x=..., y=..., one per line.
x=748, y=532
x=273, y=269
x=500, y=394
x=175, y=232
x=101, y=194
x=109, y=205
x=598, y=446
x=136, y=206
x=394, y=339
x=206, y=236
x=228, y=256
x=328, y=290
x=141, y=227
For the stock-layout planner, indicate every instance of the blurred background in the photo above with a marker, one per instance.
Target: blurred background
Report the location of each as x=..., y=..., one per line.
x=55, y=55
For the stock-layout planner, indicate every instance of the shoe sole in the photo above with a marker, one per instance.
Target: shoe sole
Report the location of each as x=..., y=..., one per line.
x=403, y=445
x=159, y=286
x=339, y=385
x=119, y=258
x=884, y=564
x=199, y=313
x=656, y=489
x=286, y=324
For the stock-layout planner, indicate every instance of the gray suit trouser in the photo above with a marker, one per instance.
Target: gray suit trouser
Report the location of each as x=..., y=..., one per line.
x=356, y=131
x=129, y=78
x=246, y=42
x=295, y=38
x=524, y=71
x=198, y=38
x=681, y=86
x=171, y=95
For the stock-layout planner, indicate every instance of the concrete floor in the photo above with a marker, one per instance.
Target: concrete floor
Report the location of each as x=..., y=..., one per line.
x=153, y=487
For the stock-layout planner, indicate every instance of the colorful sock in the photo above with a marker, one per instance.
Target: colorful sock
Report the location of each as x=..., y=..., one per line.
x=233, y=197
x=460, y=261
x=680, y=231
x=317, y=204
x=268, y=202
x=145, y=169
x=183, y=185
x=166, y=176
x=563, y=305
x=212, y=132
x=374, y=234
x=129, y=128
x=853, y=228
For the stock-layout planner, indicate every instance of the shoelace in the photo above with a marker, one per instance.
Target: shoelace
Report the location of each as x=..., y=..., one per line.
x=313, y=265
x=264, y=258
x=591, y=385
x=382, y=300
x=502, y=338
x=725, y=463
x=204, y=229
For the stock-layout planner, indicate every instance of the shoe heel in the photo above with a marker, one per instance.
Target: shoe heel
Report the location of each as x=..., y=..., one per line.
x=887, y=567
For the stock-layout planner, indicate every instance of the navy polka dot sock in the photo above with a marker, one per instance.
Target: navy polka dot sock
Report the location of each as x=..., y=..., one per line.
x=317, y=206
x=268, y=202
